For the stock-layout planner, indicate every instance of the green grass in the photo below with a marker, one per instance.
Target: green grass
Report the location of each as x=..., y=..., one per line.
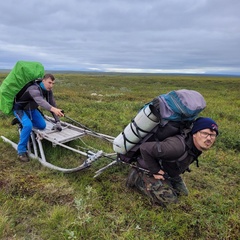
x=39, y=203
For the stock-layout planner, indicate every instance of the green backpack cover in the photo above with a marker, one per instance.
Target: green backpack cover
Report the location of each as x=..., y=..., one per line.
x=22, y=73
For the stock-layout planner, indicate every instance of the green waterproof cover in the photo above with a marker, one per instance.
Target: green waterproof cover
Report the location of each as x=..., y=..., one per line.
x=22, y=73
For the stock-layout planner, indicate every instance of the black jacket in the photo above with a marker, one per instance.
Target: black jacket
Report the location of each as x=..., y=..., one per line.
x=33, y=97
x=173, y=155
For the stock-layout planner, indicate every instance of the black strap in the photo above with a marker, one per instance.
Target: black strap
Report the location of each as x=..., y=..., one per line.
x=22, y=91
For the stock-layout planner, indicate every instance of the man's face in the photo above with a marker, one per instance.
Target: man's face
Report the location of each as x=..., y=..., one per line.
x=48, y=83
x=204, y=139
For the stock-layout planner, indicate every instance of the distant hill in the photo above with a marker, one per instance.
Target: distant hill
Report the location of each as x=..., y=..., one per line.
x=133, y=74
x=5, y=70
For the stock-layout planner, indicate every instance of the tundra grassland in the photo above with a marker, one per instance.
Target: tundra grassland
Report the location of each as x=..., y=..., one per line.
x=40, y=203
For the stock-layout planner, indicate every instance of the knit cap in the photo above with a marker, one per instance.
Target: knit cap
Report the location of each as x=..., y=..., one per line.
x=204, y=123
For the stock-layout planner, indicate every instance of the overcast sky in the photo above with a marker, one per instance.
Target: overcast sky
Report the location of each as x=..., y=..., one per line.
x=163, y=36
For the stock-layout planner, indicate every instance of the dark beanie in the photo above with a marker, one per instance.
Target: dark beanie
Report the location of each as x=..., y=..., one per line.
x=204, y=123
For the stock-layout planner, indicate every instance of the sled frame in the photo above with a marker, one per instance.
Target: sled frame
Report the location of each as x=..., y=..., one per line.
x=60, y=138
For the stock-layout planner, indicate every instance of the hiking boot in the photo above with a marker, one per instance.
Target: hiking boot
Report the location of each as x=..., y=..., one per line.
x=23, y=157
x=179, y=186
x=15, y=121
x=132, y=178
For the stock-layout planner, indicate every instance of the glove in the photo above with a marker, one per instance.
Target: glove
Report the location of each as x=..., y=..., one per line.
x=58, y=126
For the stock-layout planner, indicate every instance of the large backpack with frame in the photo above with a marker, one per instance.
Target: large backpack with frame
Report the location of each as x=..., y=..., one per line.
x=166, y=115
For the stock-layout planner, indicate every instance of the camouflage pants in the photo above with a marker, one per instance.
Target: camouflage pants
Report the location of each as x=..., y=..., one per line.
x=160, y=192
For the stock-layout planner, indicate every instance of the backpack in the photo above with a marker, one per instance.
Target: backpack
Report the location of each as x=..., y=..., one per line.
x=166, y=115
x=180, y=105
x=22, y=73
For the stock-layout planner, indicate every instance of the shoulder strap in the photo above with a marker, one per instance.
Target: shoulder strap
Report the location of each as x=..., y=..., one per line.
x=187, y=150
x=182, y=139
x=21, y=92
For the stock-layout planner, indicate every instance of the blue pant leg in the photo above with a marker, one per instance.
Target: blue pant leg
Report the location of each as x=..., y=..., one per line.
x=25, y=132
x=38, y=120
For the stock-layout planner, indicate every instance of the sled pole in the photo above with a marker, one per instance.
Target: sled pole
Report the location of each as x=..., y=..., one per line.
x=102, y=136
x=101, y=170
x=78, y=123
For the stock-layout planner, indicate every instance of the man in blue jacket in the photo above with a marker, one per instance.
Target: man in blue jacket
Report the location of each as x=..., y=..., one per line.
x=25, y=108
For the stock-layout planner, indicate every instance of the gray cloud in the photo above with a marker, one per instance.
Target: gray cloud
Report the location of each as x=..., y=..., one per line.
x=118, y=35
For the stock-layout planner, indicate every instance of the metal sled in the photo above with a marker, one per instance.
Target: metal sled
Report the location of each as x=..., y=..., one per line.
x=61, y=138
